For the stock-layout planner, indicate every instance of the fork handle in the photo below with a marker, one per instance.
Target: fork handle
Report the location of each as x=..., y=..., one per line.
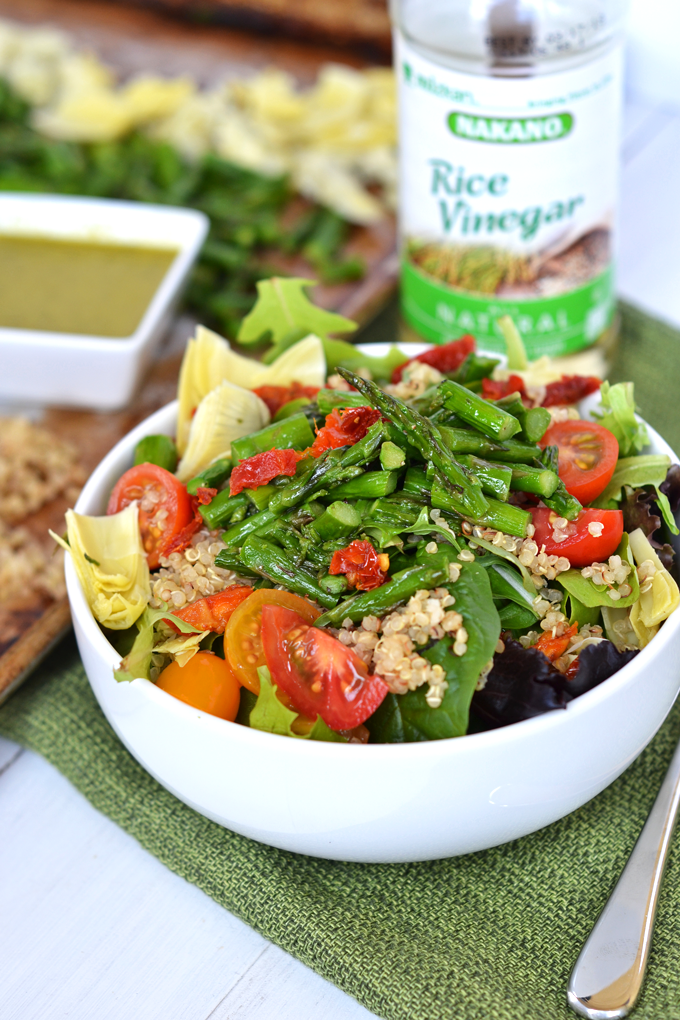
x=606, y=981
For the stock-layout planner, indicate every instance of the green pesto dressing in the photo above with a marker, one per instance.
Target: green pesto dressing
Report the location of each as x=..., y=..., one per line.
x=86, y=287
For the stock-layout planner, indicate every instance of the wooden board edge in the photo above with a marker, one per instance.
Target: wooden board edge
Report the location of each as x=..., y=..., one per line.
x=32, y=647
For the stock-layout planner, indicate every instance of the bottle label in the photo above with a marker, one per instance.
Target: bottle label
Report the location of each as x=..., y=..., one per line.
x=508, y=193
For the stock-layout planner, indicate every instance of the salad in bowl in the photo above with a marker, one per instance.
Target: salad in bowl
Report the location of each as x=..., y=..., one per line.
x=336, y=548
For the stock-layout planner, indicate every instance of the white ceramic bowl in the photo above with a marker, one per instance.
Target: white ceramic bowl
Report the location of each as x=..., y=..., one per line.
x=94, y=371
x=378, y=803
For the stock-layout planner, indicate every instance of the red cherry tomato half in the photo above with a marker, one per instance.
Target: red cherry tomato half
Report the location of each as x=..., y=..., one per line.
x=320, y=675
x=581, y=547
x=588, y=455
x=214, y=611
x=260, y=469
x=164, y=506
x=445, y=357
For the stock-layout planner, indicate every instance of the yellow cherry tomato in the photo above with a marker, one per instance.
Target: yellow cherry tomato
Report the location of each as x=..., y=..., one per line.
x=242, y=641
x=206, y=682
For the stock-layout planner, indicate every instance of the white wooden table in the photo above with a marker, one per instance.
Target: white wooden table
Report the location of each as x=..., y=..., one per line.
x=91, y=926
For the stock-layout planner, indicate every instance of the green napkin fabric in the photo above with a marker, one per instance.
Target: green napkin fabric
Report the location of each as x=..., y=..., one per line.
x=489, y=936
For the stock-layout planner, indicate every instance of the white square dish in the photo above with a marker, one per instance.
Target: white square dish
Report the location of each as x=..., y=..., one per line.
x=81, y=370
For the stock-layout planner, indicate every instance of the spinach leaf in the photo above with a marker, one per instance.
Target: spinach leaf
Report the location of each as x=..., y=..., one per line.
x=514, y=617
x=590, y=594
x=506, y=583
x=579, y=613
x=404, y=718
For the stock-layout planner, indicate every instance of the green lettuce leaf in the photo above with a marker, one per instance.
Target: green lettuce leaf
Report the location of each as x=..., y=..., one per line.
x=648, y=469
x=137, y=663
x=617, y=413
x=271, y=716
x=283, y=309
x=666, y=512
x=340, y=354
x=403, y=718
x=589, y=594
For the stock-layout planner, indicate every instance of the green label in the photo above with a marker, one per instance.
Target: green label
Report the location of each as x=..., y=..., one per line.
x=557, y=325
x=510, y=130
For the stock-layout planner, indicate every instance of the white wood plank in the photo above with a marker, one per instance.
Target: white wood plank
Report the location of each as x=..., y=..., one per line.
x=92, y=925
x=112, y=934
x=649, y=249
x=9, y=752
x=278, y=986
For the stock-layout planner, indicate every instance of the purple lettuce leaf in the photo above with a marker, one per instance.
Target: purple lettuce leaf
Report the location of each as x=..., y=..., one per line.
x=640, y=511
x=595, y=664
x=522, y=684
x=671, y=487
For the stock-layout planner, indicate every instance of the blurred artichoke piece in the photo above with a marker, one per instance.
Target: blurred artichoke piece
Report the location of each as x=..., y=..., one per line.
x=209, y=360
x=225, y=414
x=659, y=593
x=109, y=558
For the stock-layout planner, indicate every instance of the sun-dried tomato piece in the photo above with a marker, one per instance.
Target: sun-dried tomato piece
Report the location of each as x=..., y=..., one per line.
x=343, y=428
x=554, y=647
x=444, y=357
x=260, y=469
x=496, y=389
x=276, y=396
x=361, y=565
x=570, y=389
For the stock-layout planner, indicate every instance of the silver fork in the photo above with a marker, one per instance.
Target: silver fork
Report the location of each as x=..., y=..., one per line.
x=608, y=976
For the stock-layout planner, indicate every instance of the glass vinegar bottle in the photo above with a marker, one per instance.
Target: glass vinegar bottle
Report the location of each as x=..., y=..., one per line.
x=509, y=156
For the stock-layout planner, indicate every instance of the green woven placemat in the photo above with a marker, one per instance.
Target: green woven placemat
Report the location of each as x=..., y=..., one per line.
x=490, y=936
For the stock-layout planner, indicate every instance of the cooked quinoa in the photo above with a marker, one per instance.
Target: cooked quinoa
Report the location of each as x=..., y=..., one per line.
x=35, y=468
x=389, y=646
x=189, y=575
x=28, y=567
x=541, y=566
x=416, y=378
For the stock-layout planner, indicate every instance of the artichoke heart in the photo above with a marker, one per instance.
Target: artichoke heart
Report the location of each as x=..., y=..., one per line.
x=109, y=558
x=209, y=360
x=225, y=414
x=204, y=365
x=182, y=647
x=303, y=362
x=661, y=597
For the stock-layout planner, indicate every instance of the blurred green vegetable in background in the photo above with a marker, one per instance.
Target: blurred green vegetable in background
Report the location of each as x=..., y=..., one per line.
x=245, y=208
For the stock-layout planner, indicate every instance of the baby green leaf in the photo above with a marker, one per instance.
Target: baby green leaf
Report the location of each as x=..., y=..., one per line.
x=591, y=595
x=648, y=469
x=617, y=413
x=283, y=308
x=271, y=716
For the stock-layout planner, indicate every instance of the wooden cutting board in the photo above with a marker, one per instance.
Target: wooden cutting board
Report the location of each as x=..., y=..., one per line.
x=132, y=40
